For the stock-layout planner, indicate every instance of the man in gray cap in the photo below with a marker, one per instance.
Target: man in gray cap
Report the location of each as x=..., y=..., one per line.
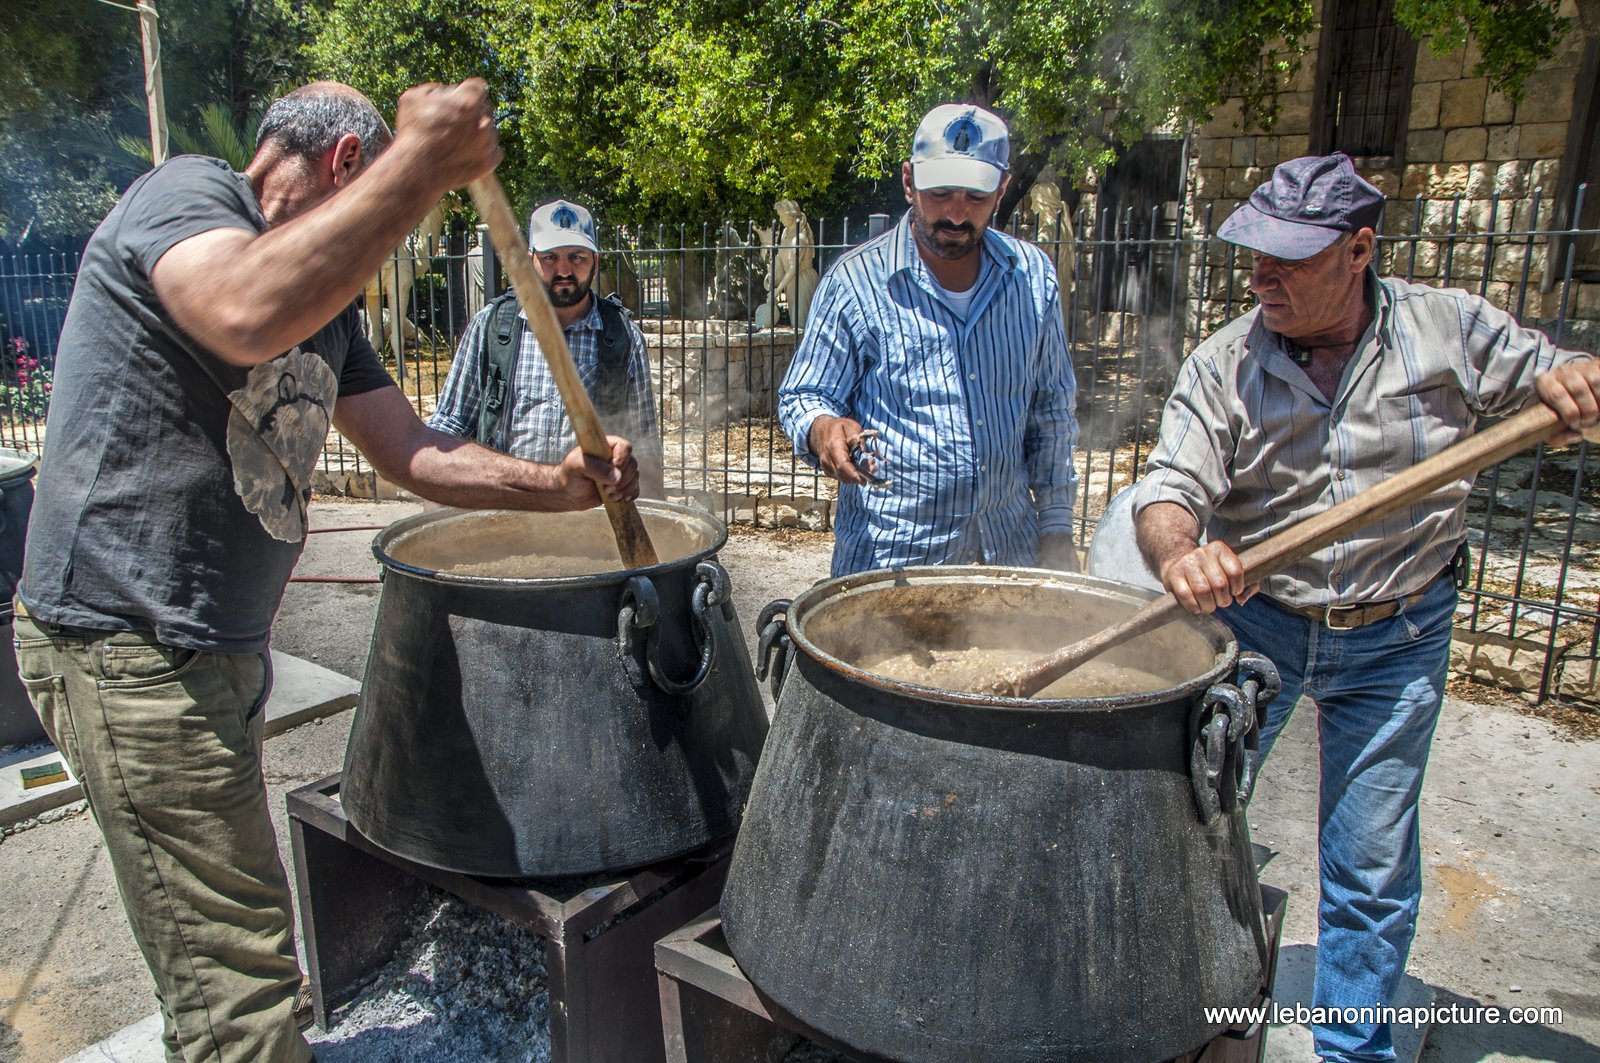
x=500, y=390
x=1337, y=380
x=939, y=346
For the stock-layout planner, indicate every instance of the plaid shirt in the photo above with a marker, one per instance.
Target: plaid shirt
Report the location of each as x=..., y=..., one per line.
x=537, y=427
x=1249, y=445
x=974, y=409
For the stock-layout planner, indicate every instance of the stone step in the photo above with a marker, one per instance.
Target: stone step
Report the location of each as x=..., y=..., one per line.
x=301, y=691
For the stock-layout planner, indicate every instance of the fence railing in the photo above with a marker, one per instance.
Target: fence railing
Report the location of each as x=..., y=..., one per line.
x=1139, y=293
x=34, y=290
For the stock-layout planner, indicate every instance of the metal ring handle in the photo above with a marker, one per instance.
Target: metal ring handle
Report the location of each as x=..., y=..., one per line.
x=1258, y=678
x=1208, y=736
x=1256, y=675
x=1221, y=720
x=1241, y=728
x=711, y=590
x=640, y=608
x=775, y=649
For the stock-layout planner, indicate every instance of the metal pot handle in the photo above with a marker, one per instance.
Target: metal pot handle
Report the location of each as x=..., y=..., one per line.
x=1225, y=737
x=641, y=608
x=1223, y=721
x=775, y=649
x=1208, y=733
x=1258, y=678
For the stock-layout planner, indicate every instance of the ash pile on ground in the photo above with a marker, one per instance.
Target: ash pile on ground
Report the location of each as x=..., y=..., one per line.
x=465, y=985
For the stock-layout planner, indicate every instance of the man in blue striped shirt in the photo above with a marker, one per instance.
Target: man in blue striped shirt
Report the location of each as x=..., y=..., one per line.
x=934, y=382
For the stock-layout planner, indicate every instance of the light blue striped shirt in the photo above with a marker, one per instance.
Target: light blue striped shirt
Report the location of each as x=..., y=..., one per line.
x=975, y=415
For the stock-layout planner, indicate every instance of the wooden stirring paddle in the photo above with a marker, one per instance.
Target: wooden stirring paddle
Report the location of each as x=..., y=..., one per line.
x=633, y=539
x=1533, y=425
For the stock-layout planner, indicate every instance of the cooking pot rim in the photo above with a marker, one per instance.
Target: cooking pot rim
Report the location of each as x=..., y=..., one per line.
x=979, y=575
x=717, y=530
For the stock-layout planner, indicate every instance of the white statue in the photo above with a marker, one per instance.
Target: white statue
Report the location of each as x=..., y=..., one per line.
x=394, y=281
x=1053, y=230
x=792, y=273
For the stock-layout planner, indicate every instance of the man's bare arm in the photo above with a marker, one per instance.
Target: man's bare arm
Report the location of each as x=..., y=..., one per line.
x=248, y=298
x=446, y=468
x=1202, y=578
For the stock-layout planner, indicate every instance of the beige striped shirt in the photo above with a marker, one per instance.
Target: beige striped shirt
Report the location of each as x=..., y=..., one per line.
x=1249, y=445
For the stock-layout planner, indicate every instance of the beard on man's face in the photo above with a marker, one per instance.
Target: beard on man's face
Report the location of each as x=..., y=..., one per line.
x=568, y=289
x=944, y=238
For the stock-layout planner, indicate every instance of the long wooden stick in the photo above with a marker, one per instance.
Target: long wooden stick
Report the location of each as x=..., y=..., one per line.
x=1533, y=425
x=633, y=539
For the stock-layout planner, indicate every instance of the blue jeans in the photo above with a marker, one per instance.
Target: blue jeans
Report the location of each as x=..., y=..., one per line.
x=1377, y=691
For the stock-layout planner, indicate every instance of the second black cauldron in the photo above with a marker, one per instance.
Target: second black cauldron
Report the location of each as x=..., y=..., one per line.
x=925, y=874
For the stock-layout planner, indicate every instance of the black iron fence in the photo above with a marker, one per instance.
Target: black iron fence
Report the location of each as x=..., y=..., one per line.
x=722, y=307
x=34, y=290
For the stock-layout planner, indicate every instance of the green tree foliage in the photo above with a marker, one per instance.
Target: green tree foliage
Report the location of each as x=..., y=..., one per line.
x=216, y=133
x=384, y=47
x=662, y=109
x=72, y=84
x=683, y=108
x=686, y=108
x=1514, y=36
x=56, y=87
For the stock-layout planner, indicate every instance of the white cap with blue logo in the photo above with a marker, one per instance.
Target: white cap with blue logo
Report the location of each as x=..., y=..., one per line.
x=960, y=145
x=561, y=224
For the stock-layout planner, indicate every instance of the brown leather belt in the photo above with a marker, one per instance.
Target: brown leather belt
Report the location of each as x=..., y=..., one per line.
x=1348, y=617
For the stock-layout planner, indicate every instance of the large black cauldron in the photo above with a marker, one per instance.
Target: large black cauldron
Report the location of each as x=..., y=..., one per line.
x=926, y=875
x=551, y=726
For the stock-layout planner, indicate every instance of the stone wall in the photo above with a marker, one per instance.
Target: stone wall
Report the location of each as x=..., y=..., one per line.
x=1463, y=140
x=714, y=372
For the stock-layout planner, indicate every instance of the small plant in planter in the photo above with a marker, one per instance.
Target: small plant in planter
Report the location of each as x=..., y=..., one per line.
x=24, y=382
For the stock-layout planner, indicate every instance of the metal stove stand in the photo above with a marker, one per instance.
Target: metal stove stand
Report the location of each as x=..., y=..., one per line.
x=355, y=898
x=711, y=1013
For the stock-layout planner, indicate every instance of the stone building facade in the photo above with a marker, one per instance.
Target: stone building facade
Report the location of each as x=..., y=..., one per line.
x=1488, y=170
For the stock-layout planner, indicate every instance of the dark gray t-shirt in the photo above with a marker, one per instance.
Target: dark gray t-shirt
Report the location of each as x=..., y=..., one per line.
x=173, y=488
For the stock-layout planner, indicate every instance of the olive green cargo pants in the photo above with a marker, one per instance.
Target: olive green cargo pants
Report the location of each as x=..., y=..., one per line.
x=167, y=745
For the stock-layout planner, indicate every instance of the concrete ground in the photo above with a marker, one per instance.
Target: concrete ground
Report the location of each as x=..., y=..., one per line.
x=1511, y=807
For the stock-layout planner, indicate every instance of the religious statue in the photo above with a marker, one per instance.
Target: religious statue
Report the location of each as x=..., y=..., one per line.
x=393, y=284
x=1053, y=230
x=792, y=272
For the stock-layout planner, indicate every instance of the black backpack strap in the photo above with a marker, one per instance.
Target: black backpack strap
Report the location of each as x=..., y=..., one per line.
x=502, y=335
x=616, y=347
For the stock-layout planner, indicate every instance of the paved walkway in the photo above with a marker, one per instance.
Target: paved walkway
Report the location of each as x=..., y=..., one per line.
x=1510, y=808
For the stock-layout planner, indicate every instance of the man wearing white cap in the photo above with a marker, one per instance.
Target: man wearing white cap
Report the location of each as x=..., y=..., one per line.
x=933, y=381
x=500, y=391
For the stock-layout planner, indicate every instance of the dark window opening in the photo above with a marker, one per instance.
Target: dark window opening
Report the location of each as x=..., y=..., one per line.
x=1139, y=197
x=1363, y=97
x=1581, y=166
